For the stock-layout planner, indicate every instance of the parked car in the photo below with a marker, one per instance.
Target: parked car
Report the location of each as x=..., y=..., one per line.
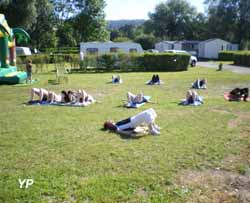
x=193, y=59
x=23, y=51
x=153, y=51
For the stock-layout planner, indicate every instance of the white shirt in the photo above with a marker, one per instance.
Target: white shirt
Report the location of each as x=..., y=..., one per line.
x=146, y=117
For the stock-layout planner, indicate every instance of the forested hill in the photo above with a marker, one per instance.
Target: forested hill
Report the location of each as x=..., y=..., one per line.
x=116, y=24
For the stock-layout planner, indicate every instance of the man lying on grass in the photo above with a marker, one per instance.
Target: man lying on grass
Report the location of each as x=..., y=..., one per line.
x=129, y=126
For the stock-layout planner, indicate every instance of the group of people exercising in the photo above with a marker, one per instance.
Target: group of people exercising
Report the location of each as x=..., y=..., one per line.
x=127, y=126
x=66, y=96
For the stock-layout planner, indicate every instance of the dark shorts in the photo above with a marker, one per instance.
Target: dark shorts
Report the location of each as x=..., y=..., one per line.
x=29, y=74
x=125, y=121
x=45, y=98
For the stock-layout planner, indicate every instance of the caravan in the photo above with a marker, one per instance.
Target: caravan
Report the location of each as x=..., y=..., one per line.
x=110, y=47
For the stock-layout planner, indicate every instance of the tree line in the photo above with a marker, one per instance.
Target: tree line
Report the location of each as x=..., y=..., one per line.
x=66, y=23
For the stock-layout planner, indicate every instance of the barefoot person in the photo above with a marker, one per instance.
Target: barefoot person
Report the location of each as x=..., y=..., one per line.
x=200, y=84
x=29, y=71
x=116, y=79
x=83, y=97
x=129, y=125
x=191, y=96
x=43, y=94
x=53, y=97
x=136, y=99
x=240, y=93
x=154, y=80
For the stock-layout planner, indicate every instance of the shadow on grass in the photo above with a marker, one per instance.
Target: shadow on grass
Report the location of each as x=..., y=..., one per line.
x=125, y=137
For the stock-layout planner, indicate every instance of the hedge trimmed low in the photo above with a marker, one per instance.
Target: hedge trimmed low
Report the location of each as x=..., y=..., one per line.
x=117, y=61
x=166, y=61
x=239, y=57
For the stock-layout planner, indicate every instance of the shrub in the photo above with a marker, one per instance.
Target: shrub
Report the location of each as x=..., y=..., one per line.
x=239, y=57
x=226, y=55
x=166, y=62
x=110, y=62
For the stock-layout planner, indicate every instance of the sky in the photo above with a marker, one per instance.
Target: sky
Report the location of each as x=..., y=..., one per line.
x=137, y=9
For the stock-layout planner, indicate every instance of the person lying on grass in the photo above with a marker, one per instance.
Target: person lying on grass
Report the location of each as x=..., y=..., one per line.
x=239, y=94
x=53, y=97
x=128, y=126
x=192, y=97
x=70, y=96
x=83, y=97
x=200, y=84
x=73, y=96
x=135, y=99
x=116, y=79
x=155, y=80
x=43, y=94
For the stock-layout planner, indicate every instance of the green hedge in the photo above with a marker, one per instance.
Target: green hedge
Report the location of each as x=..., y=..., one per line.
x=166, y=61
x=239, y=57
x=62, y=50
x=110, y=62
x=226, y=55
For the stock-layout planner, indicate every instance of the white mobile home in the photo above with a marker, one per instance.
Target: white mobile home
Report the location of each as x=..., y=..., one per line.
x=165, y=45
x=110, y=47
x=210, y=48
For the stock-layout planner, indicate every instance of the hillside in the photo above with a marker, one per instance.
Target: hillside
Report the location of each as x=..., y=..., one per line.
x=116, y=24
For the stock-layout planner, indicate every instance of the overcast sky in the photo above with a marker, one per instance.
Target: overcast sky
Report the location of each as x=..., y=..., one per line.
x=137, y=9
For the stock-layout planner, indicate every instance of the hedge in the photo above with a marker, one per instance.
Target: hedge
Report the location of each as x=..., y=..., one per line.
x=166, y=61
x=239, y=57
x=226, y=55
x=110, y=62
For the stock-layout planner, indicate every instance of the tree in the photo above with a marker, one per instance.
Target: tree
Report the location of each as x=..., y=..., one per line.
x=231, y=18
x=172, y=20
x=128, y=31
x=42, y=32
x=114, y=34
x=146, y=41
x=66, y=34
x=90, y=24
x=19, y=13
x=222, y=21
x=121, y=39
x=65, y=9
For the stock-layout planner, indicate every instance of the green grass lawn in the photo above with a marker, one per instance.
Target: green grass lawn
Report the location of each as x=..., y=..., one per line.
x=70, y=158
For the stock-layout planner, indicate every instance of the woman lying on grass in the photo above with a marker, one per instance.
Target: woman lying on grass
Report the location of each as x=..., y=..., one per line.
x=200, y=84
x=116, y=79
x=192, y=98
x=83, y=97
x=43, y=94
x=135, y=99
x=70, y=96
x=155, y=80
x=239, y=94
x=129, y=126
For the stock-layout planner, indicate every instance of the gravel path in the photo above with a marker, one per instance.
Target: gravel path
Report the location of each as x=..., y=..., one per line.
x=233, y=68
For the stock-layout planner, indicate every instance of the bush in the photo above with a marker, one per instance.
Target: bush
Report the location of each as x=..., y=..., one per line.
x=110, y=62
x=226, y=55
x=166, y=62
x=239, y=57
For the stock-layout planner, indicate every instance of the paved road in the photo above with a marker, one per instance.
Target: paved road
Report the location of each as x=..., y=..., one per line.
x=233, y=68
